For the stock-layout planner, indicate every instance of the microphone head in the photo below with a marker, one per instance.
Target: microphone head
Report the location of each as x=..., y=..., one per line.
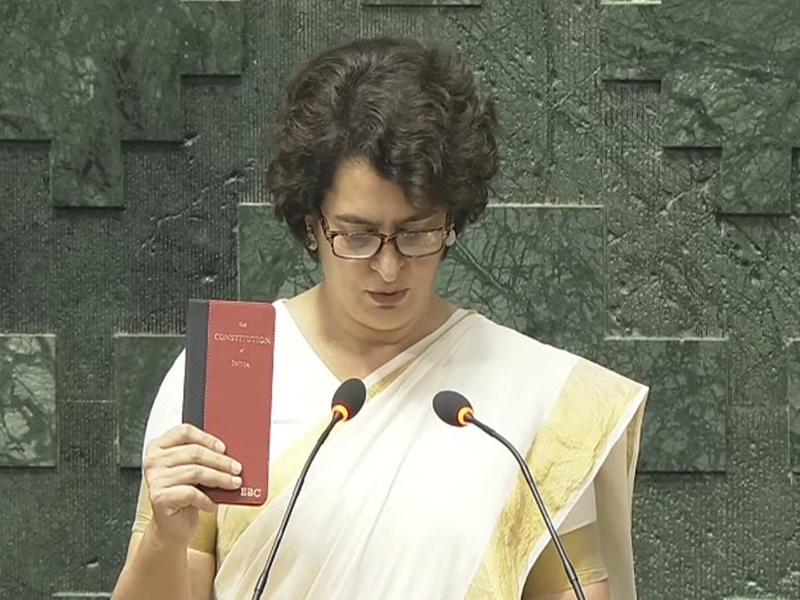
x=452, y=408
x=349, y=398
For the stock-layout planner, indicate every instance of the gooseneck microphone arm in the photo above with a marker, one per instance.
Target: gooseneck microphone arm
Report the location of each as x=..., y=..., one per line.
x=454, y=409
x=570, y=570
x=347, y=402
x=262, y=580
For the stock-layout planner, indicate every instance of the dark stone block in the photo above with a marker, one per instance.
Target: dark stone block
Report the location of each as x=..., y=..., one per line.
x=421, y=3
x=140, y=363
x=679, y=526
x=685, y=419
x=793, y=371
x=27, y=400
x=760, y=508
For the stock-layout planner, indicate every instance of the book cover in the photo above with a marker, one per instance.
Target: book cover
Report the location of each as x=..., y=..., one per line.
x=228, y=386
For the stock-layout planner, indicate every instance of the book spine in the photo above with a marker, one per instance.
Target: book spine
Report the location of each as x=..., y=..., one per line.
x=194, y=382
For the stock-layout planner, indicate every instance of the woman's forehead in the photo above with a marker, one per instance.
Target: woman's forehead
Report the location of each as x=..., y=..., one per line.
x=360, y=195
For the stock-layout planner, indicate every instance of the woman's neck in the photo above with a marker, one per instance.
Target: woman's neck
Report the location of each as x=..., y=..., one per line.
x=347, y=344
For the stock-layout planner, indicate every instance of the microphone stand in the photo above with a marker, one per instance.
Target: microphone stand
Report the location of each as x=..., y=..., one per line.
x=262, y=580
x=570, y=570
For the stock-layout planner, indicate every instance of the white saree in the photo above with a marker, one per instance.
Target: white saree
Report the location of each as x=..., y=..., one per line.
x=398, y=505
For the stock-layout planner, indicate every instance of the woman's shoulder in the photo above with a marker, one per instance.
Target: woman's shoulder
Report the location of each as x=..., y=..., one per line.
x=504, y=339
x=508, y=348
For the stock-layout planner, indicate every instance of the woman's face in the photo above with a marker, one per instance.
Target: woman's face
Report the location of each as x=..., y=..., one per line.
x=387, y=292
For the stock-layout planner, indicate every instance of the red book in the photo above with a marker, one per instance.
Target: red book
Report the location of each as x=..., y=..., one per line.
x=228, y=386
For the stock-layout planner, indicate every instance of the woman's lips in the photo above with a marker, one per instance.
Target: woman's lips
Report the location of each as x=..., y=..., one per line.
x=388, y=298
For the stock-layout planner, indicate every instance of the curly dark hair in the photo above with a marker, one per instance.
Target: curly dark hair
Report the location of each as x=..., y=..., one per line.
x=413, y=113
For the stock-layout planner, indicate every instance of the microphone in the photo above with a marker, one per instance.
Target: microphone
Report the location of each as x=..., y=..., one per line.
x=347, y=401
x=454, y=409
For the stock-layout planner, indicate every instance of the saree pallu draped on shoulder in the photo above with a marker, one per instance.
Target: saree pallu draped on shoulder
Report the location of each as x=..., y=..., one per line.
x=592, y=435
x=398, y=505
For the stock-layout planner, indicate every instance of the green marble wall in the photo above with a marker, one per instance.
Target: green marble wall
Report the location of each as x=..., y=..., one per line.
x=645, y=217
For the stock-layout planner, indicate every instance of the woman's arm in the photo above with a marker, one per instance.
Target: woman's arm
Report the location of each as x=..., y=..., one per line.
x=548, y=580
x=154, y=570
x=594, y=591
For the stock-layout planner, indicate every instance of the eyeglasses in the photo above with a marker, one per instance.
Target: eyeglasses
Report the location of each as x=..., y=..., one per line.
x=362, y=245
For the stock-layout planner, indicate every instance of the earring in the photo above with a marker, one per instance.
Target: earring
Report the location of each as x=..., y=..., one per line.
x=451, y=238
x=311, y=240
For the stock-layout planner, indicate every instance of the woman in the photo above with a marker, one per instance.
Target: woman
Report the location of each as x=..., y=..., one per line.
x=385, y=152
